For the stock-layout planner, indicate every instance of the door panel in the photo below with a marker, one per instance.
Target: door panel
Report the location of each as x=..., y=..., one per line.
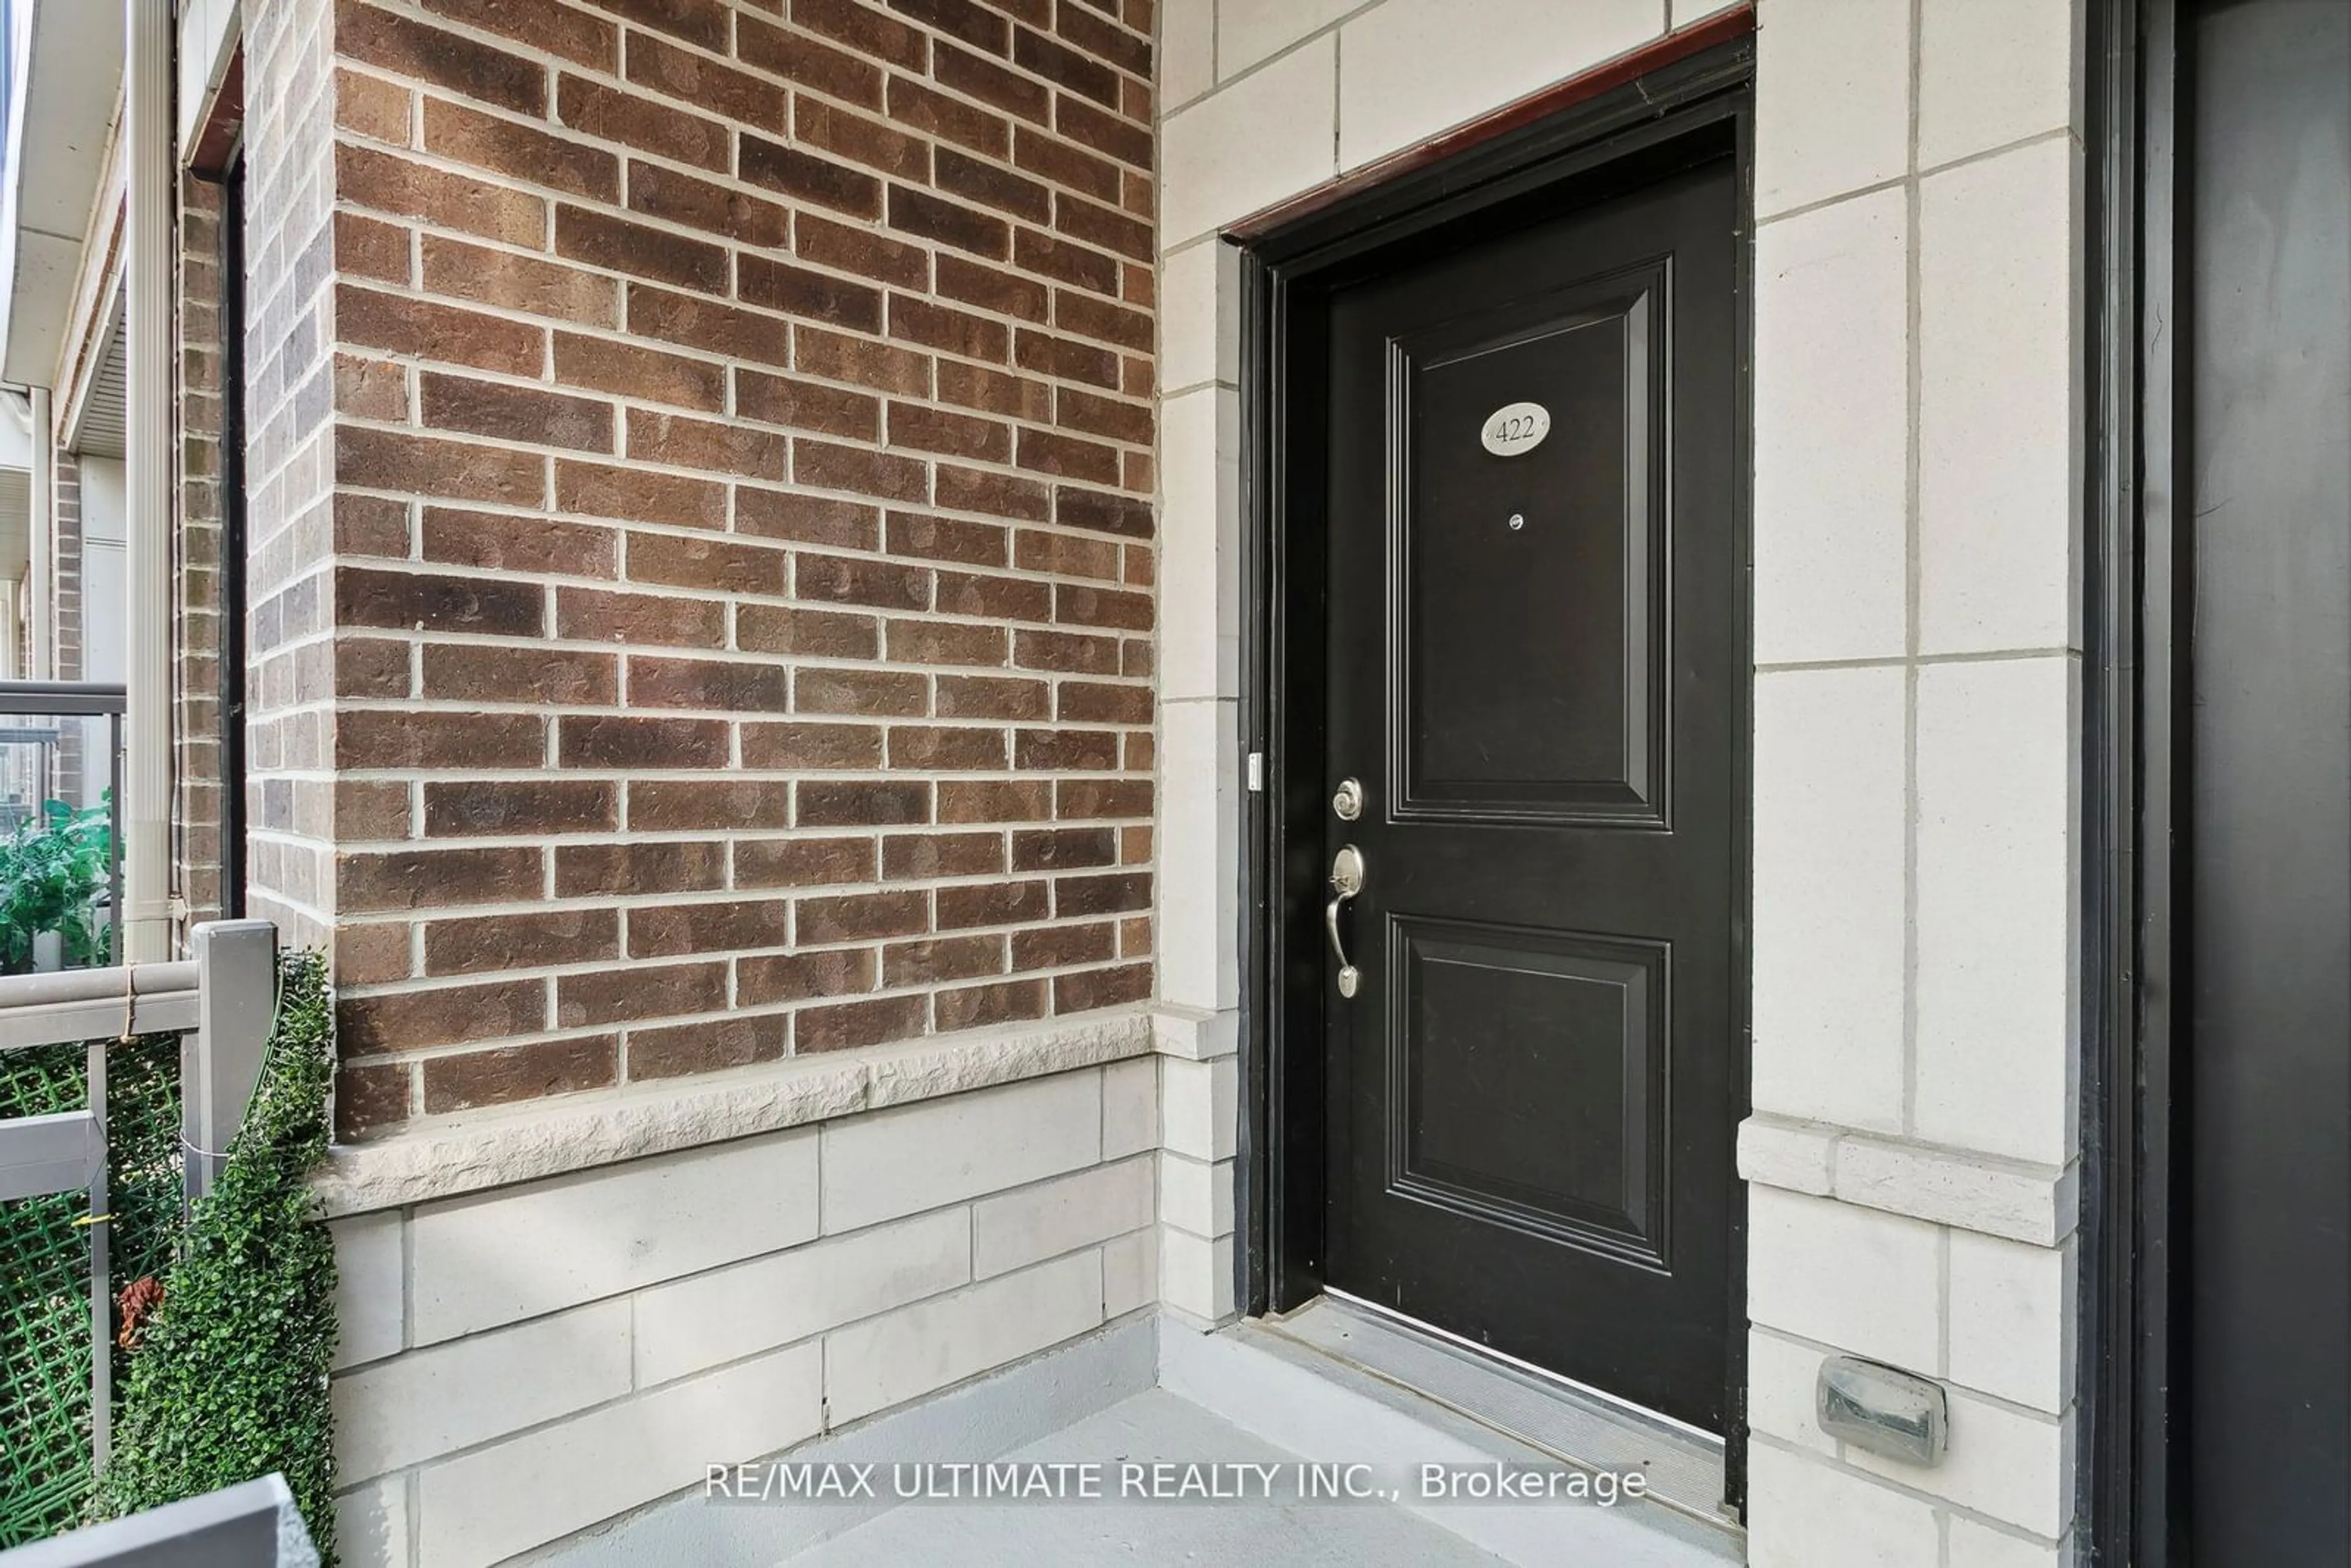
x=2267, y=1429
x=1535, y=668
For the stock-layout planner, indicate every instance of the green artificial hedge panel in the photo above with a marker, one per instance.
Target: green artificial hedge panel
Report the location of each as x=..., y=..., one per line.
x=229, y=1379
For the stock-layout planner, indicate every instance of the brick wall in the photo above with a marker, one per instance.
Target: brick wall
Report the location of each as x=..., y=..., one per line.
x=195, y=558
x=743, y=577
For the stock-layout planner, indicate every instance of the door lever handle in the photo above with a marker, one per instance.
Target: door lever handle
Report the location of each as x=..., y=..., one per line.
x=1346, y=881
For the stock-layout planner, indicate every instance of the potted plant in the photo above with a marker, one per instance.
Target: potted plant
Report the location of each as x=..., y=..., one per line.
x=55, y=871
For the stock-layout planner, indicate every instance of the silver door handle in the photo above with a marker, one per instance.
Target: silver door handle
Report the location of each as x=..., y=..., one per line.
x=1346, y=881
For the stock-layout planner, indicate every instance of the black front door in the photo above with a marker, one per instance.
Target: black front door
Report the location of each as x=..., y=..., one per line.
x=1535, y=679
x=2266, y=1429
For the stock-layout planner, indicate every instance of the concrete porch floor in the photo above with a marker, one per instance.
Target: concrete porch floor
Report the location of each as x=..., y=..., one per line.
x=1156, y=1424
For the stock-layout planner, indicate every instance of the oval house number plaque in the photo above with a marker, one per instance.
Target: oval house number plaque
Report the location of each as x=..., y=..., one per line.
x=1515, y=429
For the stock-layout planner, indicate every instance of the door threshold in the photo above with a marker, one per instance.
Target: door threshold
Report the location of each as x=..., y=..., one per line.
x=1553, y=1415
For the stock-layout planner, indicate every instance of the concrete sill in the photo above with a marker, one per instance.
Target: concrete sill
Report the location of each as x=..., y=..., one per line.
x=444, y=1156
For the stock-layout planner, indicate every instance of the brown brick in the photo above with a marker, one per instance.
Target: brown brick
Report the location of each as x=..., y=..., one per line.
x=941, y=748
x=642, y=251
x=802, y=863
x=943, y=326
x=796, y=977
x=429, y=601
x=995, y=392
x=1084, y=895
x=443, y=1015
x=994, y=597
x=920, y=212
x=876, y=365
x=1088, y=126
x=859, y=139
x=728, y=804
x=515, y=414
x=638, y=496
x=537, y=673
x=1063, y=848
x=849, y=579
x=927, y=429
x=708, y=325
x=809, y=519
x=974, y=1006
x=738, y=96
x=628, y=742
x=369, y=667
x=849, y=1024
x=1065, y=163
x=980, y=696
x=808, y=177
x=702, y=22
x=1065, y=67
x=976, y=76
x=991, y=904
x=860, y=252
x=992, y=186
x=372, y=106
x=912, y=103
x=862, y=917
x=947, y=539
x=666, y=193
x=865, y=31
x=494, y=943
x=801, y=293
x=1093, y=988
x=1105, y=39
x=716, y=445
x=386, y=183
x=464, y=470
x=587, y=870
x=1081, y=799
x=945, y=958
x=800, y=58
x=512, y=282
x=1065, y=358
x=860, y=803
x=629, y=992
x=1139, y=752
x=1082, y=702
x=632, y=369
x=707, y=562
x=989, y=800
x=368, y=1097
x=1080, y=508
x=723, y=685
x=519, y=153
x=614, y=114
x=810, y=746
x=883, y=475
x=806, y=406
x=1033, y=550
x=1104, y=416
x=973, y=24
x=474, y=807
x=433, y=879
x=393, y=738
x=371, y=808
x=370, y=387
x=424, y=330
x=1083, y=604
x=1065, y=750
x=673, y=930
x=1066, y=456
x=780, y=629
x=1055, y=946
x=472, y=70
x=370, y=247
x=880, y=692
x=708, y=1045
x=1103, y=322
x=946, y=642
x=910, y=855
x=997, y=288
x=557, y=29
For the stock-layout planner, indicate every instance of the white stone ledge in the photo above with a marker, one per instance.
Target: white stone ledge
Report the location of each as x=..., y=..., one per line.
x=2014, y=1200
x=444, y=1156
x=1195, y=1034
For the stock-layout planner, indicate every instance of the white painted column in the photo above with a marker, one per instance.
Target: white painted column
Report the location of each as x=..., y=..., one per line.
x=41, y=661
x=147, y=433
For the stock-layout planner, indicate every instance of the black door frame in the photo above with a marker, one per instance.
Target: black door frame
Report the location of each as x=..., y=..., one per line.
x=2134, y=1149
x=1624, y=133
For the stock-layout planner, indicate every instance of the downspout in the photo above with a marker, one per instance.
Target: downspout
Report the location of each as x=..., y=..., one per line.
x=41, y=553
x=146, y=914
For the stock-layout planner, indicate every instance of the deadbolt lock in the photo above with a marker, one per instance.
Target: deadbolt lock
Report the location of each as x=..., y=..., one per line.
x=1347, y=800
